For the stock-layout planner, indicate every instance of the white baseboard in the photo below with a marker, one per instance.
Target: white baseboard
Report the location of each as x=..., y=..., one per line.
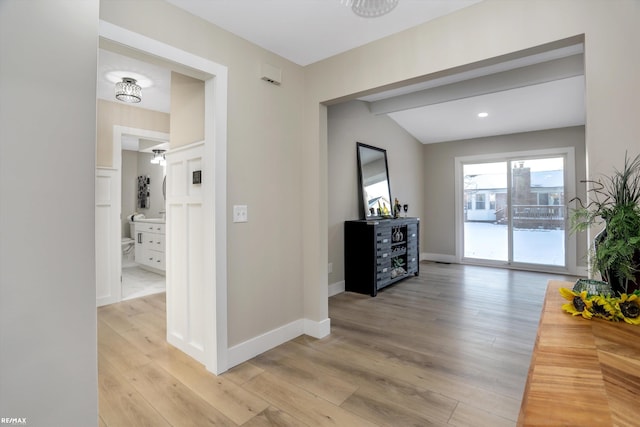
x=451, y=259
x=317, y=329
x=246, y=350
x=179, y=342
x=336, y=288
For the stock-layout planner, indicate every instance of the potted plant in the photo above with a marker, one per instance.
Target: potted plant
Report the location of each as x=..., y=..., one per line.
x=615, y=201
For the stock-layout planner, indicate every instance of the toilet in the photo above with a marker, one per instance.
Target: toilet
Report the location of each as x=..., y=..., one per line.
x=128, y=246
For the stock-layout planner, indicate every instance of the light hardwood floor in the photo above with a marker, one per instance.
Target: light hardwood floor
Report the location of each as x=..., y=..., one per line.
x=448, y=348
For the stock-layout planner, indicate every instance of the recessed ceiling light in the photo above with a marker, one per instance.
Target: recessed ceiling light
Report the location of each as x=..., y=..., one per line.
x=483, y=114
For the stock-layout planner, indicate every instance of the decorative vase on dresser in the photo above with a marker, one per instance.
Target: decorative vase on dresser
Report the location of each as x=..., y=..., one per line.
x=380, y=252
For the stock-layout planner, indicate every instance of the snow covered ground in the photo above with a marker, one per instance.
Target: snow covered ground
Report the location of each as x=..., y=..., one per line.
x=489, y=241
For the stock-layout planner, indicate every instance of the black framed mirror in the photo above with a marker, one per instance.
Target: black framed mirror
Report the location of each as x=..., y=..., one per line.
x=373, y=178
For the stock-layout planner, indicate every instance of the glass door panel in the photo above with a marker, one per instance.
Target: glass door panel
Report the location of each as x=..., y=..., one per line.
x=485, y=211
x=538, y=211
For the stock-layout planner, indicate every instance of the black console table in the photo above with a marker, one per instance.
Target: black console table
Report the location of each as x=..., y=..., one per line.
x=380, y=252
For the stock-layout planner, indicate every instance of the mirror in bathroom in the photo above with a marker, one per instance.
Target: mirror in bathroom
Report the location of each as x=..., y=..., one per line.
x=373, y=177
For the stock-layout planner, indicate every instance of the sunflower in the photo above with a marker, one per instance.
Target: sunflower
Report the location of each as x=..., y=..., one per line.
x=628, y=307
x=603, y=307
x=579, y=305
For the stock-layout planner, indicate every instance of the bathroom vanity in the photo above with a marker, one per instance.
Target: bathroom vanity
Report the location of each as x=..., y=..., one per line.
x=150, y=247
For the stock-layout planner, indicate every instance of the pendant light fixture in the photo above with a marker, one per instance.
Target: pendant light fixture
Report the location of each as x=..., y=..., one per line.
x=372, y=8
x=158, y=157
x=128, y=91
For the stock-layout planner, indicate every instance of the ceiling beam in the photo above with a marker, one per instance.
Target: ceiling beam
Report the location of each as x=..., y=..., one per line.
x=557, y=69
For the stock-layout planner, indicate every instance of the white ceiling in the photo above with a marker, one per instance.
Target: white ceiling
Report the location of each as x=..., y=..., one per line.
x=306, y=31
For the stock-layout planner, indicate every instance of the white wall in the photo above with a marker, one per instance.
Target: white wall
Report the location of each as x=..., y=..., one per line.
x=48, y=357
x=129, y=188
x=349, y=123
x=156, y=175
x=135, y=163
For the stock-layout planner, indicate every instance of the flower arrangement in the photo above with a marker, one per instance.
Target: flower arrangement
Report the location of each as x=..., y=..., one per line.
x=604, y=306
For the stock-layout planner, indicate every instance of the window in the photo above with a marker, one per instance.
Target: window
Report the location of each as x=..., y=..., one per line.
x=480, y=203
x=543, y=198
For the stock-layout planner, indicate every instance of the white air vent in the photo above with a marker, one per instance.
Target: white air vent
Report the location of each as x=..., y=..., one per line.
x=271, y=74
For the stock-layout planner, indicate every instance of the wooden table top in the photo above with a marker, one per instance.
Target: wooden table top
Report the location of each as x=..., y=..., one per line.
x=583, y=372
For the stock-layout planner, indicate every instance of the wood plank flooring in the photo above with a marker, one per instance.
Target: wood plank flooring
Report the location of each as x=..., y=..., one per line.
x=448, y=348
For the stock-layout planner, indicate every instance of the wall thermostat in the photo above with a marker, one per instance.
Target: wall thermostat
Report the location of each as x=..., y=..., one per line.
x=197, y=177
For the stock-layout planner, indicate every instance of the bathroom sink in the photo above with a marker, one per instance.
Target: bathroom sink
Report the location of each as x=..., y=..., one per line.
x=151, y=220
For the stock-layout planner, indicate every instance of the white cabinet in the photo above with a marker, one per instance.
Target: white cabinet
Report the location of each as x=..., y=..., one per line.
x=150, y=250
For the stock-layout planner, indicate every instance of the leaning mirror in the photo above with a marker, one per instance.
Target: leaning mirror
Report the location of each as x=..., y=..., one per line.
x=373, y=177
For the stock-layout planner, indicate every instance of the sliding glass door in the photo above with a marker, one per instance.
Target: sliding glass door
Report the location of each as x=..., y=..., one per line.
x=538, y=211
x=485, y=211
x=514, y=211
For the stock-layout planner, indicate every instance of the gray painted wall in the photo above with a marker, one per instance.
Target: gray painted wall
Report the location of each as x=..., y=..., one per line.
x=349, y=123
x=48, y=354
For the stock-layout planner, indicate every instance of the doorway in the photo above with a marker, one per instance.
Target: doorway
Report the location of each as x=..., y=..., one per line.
x=512, y=209
x=211, y=323
x=142, y=272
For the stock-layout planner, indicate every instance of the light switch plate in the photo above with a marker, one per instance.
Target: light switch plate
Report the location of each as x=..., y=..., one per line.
x=240, y=213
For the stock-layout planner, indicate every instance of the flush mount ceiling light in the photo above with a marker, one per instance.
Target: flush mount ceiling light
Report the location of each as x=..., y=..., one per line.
x=483, y=115
x=128, y=91
x=371, y=8
x=158, y=157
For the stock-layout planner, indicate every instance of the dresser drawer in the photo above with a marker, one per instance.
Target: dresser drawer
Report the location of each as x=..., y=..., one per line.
x=379, y=253
x=151, y=258
x=150, y=227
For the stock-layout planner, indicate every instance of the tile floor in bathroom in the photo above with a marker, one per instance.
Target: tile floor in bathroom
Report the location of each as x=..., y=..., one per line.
x=137, y=282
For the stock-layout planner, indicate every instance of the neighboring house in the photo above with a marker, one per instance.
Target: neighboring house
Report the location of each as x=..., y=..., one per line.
x=539, y=204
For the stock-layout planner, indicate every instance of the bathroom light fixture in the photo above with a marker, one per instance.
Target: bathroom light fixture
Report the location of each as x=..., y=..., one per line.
x=371, y=8
x=158, y=157
x=483, y=114
x=128, y=91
